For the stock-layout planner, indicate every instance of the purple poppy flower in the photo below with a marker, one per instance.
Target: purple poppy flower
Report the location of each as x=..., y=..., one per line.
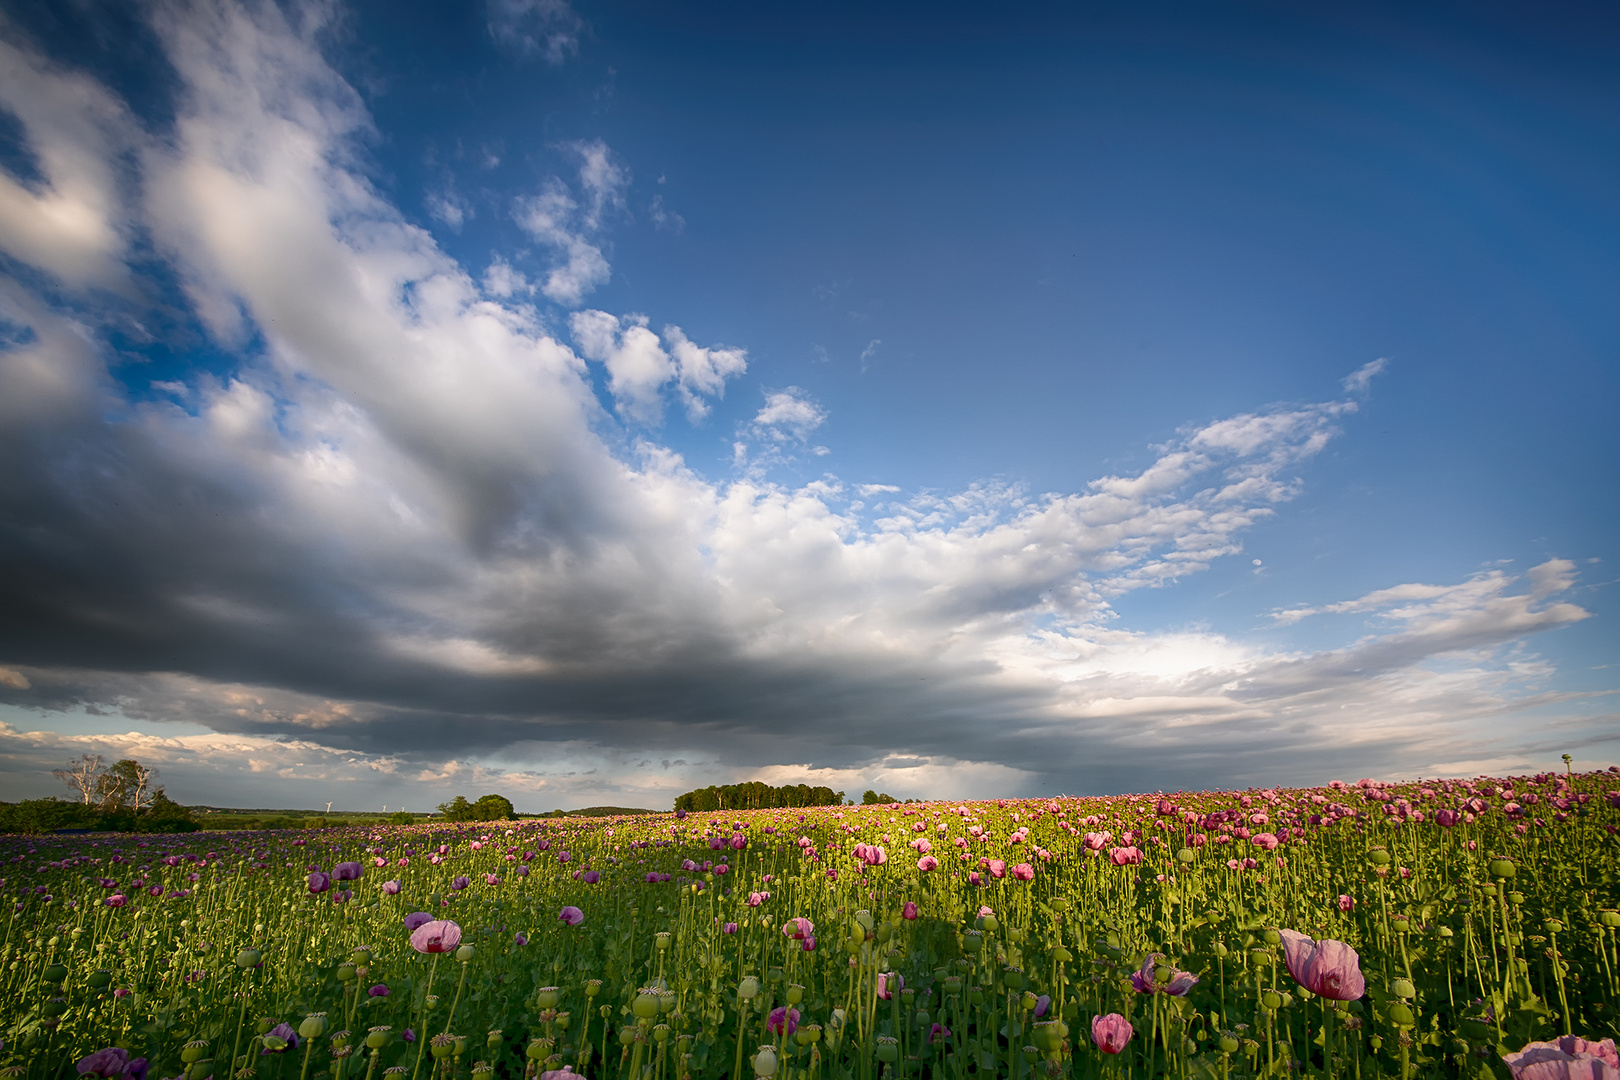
x=460, y=883
x=416, y=919
x=390, y=888
x=287, y=1037
x=571, y=915
x=319, y=882
x=380, y=990
x=347, y=871
x=111, y=1061
x=520, y=938
x=590, y=877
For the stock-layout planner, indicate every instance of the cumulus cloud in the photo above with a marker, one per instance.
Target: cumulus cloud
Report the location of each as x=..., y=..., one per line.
x=394, y=539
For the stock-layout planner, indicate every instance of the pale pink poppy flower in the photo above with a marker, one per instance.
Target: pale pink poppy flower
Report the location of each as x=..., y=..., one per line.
x=1347, y=902
x=1176, y=986
x=1023, y=872
x=799, y=928
x=439, y=936
x=889, y=983
x=927, y=863
x=1568, y=1058
x=1327, y=968
x=571, y=915
x=1125, y=856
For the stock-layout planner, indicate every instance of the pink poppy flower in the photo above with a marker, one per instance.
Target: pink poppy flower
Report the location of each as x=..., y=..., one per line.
x=571, y=915
x=938, y=1033
x=1347, y=902
x=1111, y=1033
x=997, y=868
x=439, y=936
x=1176, y=985
x=1124, y=856
x=729, y=928
x=319, y=882
x=927, y=863
x=1023, y=872
x=890, y=983
x=798, y=928
x=390, y=888
x=909, y=911
x=1327, y=968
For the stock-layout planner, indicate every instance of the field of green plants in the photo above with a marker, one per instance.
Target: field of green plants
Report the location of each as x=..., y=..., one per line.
x=1362, y=930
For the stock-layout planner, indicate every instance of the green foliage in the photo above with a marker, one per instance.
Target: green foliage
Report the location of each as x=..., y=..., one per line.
x=402, y=817
x=873, y=798
x=488, y=808
x=755, y=795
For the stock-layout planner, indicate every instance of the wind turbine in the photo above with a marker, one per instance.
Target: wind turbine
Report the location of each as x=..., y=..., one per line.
x=329, y=803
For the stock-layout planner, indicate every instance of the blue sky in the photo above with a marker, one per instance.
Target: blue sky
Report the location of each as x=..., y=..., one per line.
x=590, y=402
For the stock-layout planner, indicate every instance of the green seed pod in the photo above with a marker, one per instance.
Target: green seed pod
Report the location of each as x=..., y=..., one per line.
x=1400, y=1014
x=1609, y=918
x=345, y=973
x=645, y=1006
x=888, y=1049
x=313, y=1026
x=1271, y=1000
x=1060, y=954
x=972, y=941
x=593, y=987
x=661, y=1033
x=547, y=997
x=1060, y=904
x=765, y=1061
x=194, y=1051
x=1270, y=937
x=748, y=989
x=538, y=1050
x=989, y=923
x=378, y=1037
x=1401, y=924
x=1378, y=856
x=795, y=993
x=1444, y=932
x=1186, y=855
x=362, y=956
x=1032, y=1054
x=1228, y=1043
x=442, y=1046
x=1502, y=868
x=1046, y=1036
x=340, y=1039
x=662, y=939
x=666, y=1001
x=1012, y=978
x=953, y=986
x=482, y=1070
x=55, y=973
x=1515, y=898
x=201, y=1070
x=466, y=953
x=98, y=980
x=54, y=1007
x=1403, y=988
x=248, y=959
x=561, y=1021
x=807, y=1034
x=976, y=995
x=1554, y=926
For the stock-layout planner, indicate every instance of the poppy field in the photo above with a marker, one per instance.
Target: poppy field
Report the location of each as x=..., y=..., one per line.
x=1442, y=928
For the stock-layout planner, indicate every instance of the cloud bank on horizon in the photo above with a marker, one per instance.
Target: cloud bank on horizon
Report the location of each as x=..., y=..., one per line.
x=420, y=531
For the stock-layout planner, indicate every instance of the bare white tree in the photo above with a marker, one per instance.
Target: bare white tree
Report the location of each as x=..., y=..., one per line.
x=84, y=775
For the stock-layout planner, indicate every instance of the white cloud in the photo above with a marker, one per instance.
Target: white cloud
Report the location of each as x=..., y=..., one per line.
x=703, y=372
x=637, y=365
x=71, y=223
x=549, y=217
x=1358, y=381
x=664, y=218
x=789, y=414
x=449, y=208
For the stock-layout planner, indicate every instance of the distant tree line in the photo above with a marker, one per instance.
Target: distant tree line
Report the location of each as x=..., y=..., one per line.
x=121, y=797
x=755, y=795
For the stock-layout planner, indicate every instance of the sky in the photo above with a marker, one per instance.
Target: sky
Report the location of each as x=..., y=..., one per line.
x=588, y=402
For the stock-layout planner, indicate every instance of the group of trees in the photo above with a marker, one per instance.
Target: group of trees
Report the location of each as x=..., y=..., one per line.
x=488, y=808
x=121, y=797
x=755, y=795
